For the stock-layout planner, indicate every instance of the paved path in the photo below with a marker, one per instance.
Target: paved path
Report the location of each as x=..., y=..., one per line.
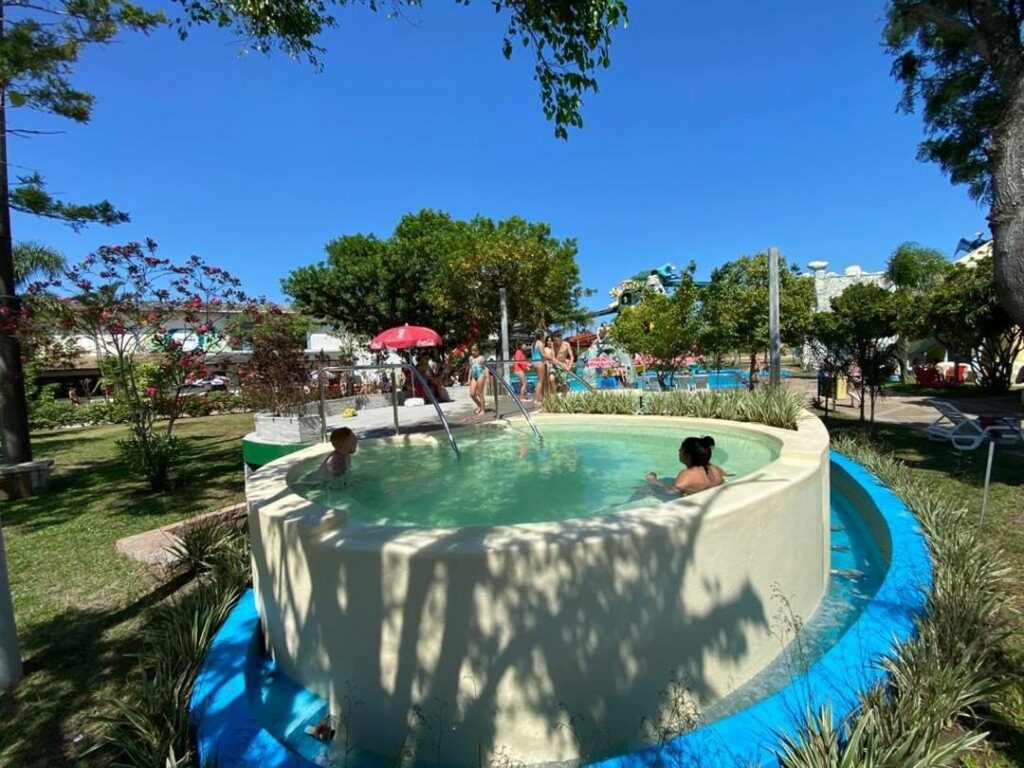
x=915, y=410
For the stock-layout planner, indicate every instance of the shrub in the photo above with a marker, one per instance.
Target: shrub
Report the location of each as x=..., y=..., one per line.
x=153, y=455
x=150, y=724
x=46, y=412
x=774, y=407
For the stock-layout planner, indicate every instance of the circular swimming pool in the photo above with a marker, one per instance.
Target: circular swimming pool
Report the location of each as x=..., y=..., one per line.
x=506, y=477
x=534, y=584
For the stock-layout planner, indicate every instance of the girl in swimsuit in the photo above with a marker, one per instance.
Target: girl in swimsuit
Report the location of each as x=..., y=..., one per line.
x=538, y=356
x=699, y=473
x=477, y=379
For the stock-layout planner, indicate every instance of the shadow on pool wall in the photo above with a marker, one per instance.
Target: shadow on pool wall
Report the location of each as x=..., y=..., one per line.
x=503, y=633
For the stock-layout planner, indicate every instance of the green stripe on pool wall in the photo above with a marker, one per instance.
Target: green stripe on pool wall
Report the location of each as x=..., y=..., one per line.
x=258, y=453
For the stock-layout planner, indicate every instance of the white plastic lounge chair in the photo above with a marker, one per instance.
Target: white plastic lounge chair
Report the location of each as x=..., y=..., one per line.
x=966, y=433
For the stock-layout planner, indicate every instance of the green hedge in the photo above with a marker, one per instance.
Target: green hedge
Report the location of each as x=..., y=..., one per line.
x=774, y=407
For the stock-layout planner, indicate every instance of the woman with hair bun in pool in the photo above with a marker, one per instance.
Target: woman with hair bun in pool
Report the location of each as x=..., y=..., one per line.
x=698, y=474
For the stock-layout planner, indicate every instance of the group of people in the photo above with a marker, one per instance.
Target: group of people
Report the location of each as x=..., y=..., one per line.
x=544, y=354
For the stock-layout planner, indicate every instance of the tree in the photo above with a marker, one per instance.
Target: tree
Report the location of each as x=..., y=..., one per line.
x=828, y=342
x=866, y=320
x=963, y=61
x=275, y=378
x=538, y=271
x=664, y=327
x=717, y=329
x=154, y=323
x=737, y=300
x=39, y=46
x=963, y=312
x=912, y=270
x=443, y=274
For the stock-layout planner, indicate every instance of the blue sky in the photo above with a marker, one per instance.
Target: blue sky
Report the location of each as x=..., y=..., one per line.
x=720, y=129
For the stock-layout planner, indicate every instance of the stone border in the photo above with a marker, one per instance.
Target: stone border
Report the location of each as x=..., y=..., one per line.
x=154, y=547
x=226, y=728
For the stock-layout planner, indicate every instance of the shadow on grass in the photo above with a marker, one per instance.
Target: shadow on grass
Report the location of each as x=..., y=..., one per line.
x=209, y=471
x=72, y=662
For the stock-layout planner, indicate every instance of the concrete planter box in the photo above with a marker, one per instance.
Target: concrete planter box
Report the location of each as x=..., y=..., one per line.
x=287, y=429
x=306, y=428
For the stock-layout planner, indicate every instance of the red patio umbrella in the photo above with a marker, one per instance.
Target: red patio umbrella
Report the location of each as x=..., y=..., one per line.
x=405, y=337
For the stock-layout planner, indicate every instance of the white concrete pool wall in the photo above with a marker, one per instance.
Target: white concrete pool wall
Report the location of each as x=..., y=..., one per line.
x=490, y=630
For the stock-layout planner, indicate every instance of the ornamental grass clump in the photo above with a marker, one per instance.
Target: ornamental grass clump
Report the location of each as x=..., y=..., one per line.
x=150, y=723
x=940, y=683
x=774, y=407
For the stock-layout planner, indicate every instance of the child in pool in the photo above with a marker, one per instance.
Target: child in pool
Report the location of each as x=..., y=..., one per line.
x=338, y=461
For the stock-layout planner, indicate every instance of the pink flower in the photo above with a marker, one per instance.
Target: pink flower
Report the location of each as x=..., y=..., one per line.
x=150, y=391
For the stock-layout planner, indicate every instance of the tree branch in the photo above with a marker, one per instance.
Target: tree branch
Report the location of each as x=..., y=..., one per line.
x=950, y=23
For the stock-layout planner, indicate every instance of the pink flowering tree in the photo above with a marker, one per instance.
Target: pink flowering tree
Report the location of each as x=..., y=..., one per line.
x=153, y=324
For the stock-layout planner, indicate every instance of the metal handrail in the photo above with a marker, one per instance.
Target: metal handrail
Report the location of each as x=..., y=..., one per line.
x=492, y=366
x=417, y=376
x=573, y=374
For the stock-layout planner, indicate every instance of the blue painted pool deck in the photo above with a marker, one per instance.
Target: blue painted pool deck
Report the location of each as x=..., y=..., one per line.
x=226, y=700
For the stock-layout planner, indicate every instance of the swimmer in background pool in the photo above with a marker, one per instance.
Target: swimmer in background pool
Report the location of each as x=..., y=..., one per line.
x=699, y=473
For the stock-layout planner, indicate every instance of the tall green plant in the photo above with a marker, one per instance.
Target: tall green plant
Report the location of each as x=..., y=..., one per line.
x=963, y=62
x=912, y=270
x=736, y=303
x=663, y=327
x=866, y=316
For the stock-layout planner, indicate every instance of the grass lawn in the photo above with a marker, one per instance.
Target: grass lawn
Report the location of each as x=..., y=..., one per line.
x=77, y=603
x=967, y=391
x=960, y=475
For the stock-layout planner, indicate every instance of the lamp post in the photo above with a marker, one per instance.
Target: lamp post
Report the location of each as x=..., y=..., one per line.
x=774, y=362
x=504, y=332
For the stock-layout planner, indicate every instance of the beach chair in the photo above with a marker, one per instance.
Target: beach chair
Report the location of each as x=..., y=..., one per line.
x=966, y=433
x=701, y=382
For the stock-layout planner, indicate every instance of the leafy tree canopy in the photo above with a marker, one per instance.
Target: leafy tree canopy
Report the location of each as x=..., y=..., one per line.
x=663, y=326
x=736, y=300
x=963, y=62
x=963, y=312
x=914, y=267
x=34, y=261
x=570, y=39
x=444, y=274
x=866, y=319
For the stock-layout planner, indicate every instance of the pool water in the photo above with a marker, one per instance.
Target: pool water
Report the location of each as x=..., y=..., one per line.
x=858, y=568
x=505, y=476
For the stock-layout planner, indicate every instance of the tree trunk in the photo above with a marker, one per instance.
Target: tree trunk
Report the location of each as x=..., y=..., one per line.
x=901, y=356
x=13, y=408
x=1006, y=219
x=10, y=660
x=861, y=395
